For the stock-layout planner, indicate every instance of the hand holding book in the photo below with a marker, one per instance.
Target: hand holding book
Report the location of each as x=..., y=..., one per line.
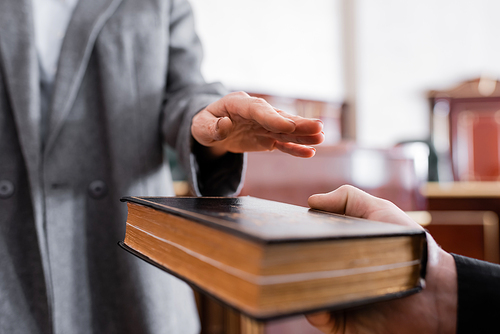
x=434, y=310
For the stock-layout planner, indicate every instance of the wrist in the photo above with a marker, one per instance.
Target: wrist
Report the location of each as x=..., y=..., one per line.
x=441, y=282
x=208, y=153
x=216, y=151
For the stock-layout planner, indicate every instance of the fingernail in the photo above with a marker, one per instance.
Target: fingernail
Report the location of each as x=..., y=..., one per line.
x=217, y=124
x=288, y=119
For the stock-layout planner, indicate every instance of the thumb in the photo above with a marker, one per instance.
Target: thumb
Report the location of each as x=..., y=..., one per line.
x=223, y=127
x=207, y=128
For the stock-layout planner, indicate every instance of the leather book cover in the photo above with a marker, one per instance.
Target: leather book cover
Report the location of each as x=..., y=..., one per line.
x=269, y=221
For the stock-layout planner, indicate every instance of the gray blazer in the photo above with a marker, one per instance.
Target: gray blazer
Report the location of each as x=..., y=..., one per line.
x=128, y=81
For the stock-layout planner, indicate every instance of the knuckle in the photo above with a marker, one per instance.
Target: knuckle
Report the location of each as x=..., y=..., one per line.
x=259, y=101
x=273, y=146
x=347, y=188
x=238, y=94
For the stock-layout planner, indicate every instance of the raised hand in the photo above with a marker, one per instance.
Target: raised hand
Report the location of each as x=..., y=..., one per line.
x=241, y=123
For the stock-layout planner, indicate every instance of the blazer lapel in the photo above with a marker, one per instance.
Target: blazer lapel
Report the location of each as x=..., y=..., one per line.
x=19, y=63
x=88, y=18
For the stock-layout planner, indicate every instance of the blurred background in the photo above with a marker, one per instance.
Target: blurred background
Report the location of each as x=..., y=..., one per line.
x=379, y=56
x=408, y=93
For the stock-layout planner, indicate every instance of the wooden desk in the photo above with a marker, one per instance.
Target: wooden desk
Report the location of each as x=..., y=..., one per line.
x=470, y=233
x=481, y=196
x=463, y=196
x=470, y=190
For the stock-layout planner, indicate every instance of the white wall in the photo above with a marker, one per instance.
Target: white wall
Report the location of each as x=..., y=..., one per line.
x=406, y=48
x=282, y=47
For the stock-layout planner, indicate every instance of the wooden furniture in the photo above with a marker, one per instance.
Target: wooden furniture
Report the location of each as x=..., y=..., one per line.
x=216, y=318
x=463, y=196
x=479, y=196
x=383, y=173
x=465, y=122
x=470, y=233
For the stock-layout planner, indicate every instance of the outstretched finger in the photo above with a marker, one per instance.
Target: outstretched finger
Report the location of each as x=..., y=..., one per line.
x=297, y=150
x=292, y=138
x=304, y=126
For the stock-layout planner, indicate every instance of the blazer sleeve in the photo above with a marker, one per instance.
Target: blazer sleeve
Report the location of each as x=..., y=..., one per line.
x=478, y=295
x=187, y=93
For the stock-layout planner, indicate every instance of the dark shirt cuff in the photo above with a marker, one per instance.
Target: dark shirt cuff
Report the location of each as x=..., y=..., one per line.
x=478, y=296
x=218, y=177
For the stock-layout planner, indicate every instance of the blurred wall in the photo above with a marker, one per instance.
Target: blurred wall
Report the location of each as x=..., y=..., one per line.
x=401, y=50
x=408, y=47
x=280, y=47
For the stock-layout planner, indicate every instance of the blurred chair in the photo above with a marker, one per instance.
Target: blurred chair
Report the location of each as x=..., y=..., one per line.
x=384, y=173
x=465, y=123
x=425, y=158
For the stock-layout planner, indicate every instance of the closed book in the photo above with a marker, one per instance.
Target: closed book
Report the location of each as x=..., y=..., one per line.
x=268, y=259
